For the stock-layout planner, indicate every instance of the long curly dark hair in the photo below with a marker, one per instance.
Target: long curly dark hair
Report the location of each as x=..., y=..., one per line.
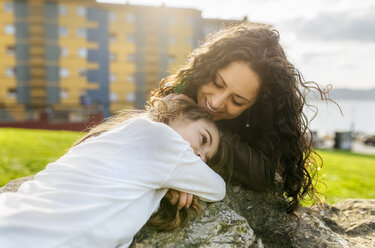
x=279, y=129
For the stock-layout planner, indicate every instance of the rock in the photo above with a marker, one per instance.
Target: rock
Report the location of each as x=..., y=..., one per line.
x=312, y=231
x=266, y=214
x=354, y=219
x=217, y=226
x=13, y=185
x=350, y=223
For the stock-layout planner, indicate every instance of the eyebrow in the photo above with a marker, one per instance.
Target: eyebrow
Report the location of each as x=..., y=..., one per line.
x=222, y=79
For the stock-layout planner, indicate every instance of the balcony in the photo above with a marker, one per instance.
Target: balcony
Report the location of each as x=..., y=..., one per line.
x=36, y=29
x=36, y=61
x=37, y=84
x=37, y=72
x=36, y=51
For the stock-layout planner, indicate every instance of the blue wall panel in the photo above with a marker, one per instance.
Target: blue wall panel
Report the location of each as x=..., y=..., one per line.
x=22, y=51
x=100, y=56
x=140, y=79
x=163, y=48
x=52, y=52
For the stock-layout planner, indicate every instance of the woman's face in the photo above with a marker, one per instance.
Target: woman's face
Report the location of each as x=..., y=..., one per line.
x=234, y=90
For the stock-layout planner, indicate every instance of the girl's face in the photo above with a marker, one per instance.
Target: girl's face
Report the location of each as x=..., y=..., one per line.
x=234, y=90
x=202, y=135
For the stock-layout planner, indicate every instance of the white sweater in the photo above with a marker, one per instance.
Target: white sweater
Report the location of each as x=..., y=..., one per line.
x=104, y=190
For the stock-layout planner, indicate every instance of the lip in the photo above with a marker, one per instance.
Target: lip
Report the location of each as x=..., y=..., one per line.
x=209, y=109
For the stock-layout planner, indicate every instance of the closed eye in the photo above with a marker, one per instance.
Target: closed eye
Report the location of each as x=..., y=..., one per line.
x=204, y=139
x=235, y=102
x=217, y=85
x=235, y=96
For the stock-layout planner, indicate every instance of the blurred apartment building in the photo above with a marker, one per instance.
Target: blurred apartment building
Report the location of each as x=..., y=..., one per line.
x=70, y=58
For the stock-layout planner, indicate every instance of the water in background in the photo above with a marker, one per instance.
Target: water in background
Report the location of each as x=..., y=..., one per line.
x=359, y=116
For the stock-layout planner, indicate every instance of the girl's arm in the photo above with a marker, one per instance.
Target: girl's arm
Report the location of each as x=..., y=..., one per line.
x=192, y=175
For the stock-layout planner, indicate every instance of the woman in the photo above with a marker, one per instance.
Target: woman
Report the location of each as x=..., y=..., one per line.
x=242, y=78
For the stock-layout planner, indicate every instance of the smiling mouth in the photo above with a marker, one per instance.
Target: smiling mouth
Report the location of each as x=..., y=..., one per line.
x=210, y=108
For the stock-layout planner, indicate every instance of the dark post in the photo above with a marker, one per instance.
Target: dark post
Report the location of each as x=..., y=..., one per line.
x=343, y=140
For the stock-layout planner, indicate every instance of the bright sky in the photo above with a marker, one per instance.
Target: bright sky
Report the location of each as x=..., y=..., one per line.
x=329, y=41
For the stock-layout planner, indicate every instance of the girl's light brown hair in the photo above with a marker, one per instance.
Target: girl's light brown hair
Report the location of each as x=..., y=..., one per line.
x=168, y=217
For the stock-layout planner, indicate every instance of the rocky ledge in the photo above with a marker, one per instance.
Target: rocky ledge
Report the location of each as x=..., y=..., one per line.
x=249, y=219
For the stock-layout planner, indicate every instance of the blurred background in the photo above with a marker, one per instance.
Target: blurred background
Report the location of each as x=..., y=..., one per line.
x=66, y=63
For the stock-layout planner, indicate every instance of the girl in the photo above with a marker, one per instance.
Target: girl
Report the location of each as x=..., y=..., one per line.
x=106, y=187
x=243, y=79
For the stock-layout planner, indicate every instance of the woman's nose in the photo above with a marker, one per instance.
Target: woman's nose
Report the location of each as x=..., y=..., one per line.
x=218, y=101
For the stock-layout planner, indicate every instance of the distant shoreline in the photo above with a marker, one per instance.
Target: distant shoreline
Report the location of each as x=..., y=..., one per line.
x=346, y=94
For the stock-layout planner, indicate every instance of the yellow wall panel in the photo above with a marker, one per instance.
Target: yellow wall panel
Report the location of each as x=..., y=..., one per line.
x=122, y=67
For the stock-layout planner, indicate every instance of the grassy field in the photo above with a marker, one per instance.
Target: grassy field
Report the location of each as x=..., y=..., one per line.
x=24, y=152
x=347, y=175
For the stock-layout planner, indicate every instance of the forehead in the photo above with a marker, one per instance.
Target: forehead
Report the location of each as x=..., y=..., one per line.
x=240, y=79
x=206, y=125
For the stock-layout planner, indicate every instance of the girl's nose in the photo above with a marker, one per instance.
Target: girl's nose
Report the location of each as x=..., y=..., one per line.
x=201, y=155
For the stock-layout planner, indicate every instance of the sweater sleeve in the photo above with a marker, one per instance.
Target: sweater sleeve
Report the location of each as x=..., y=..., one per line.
x=250, y=167
x=192, y=175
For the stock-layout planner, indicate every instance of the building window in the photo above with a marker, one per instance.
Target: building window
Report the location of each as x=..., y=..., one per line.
x=9, y=29
x=172, y=40
x=130, y=78
x=171, y=59
x=64, y=73
x=112, y=57
x=10, y=50
x=112, y=37
x=10, y=71
x=82, y=72
x=130, y=38
x=113, y=97
x=64, y=93
x=82, y=32
x=12, y=93
x=130, y=97
x=113, y=78
x=82, y=52
x=130, y=17
x=112, y=17
x=64, y=51
x=8, y=7
x=131, y=58
x=63, y=10
x=63, y=31
x=81, y=11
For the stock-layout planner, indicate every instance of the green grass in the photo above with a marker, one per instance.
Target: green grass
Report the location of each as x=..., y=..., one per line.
x=347, y=175
x=24, y=152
